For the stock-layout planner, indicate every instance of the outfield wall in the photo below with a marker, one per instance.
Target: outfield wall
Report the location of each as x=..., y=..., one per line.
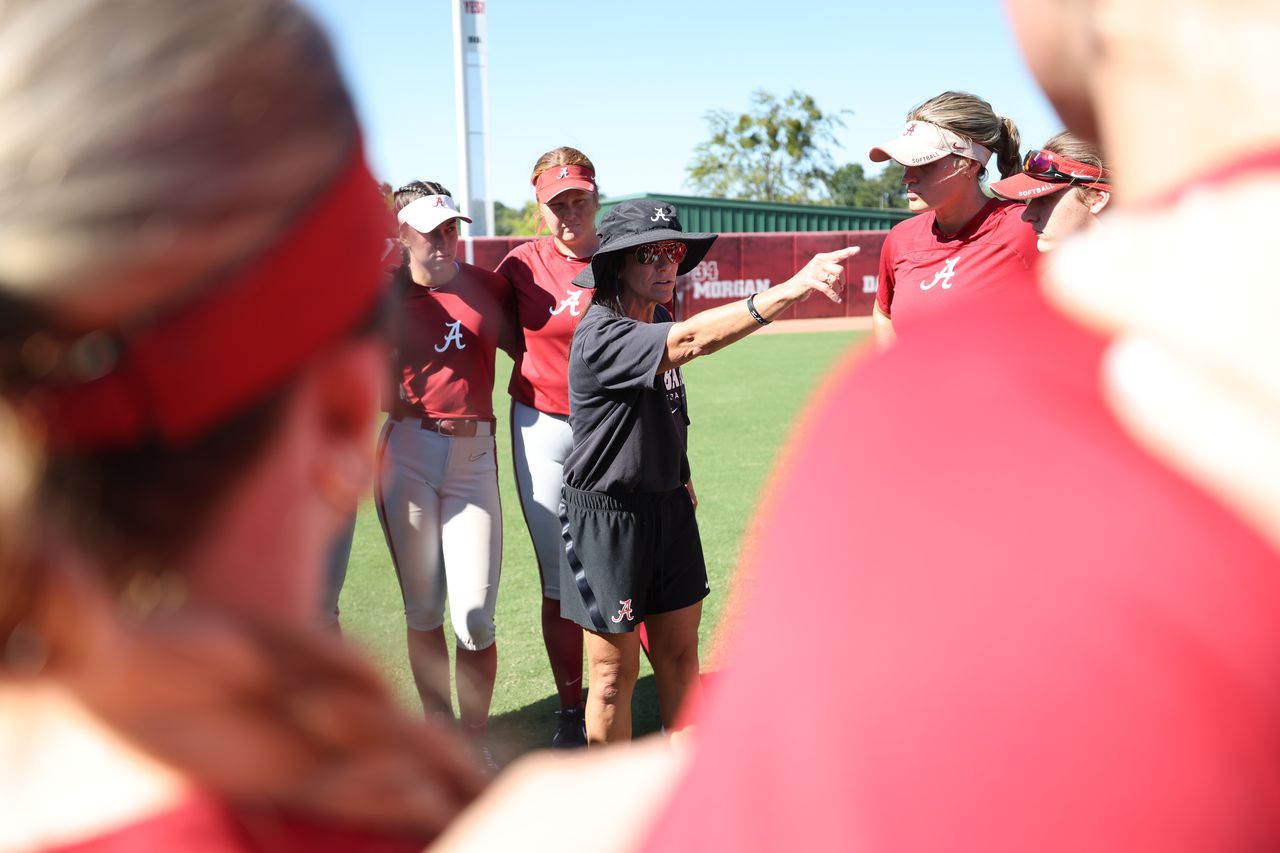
x=741, y=264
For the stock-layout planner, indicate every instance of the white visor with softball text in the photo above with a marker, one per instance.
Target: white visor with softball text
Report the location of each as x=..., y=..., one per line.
x=921, y=142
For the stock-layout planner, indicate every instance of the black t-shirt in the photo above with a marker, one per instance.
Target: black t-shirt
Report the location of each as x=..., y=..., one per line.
x=630, y=425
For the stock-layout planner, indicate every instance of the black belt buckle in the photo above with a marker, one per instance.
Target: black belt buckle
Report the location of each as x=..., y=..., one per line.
x=451, y=427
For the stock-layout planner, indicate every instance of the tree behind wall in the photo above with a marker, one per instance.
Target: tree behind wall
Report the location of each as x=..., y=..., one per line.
x=777, y=151
x=515, y=221
x=849, y=186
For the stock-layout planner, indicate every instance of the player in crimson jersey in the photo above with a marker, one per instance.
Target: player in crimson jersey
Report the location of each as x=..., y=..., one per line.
x=1036, y=633
x=548, y=308
x=964, y=243
x=1063, y=186
x=437, y=488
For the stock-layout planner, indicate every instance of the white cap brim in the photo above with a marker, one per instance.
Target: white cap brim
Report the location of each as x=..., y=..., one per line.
x=908, y=152
x=428, y=213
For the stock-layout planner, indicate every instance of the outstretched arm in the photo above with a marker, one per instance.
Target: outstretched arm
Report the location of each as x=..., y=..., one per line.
x=716, y=328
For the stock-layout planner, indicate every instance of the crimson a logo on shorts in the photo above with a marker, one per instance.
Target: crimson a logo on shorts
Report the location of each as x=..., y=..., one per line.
x=624, y=612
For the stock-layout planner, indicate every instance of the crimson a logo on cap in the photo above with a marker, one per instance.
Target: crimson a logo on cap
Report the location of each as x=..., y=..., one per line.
x=956, y=146
x=910, y=129
x=440, y=201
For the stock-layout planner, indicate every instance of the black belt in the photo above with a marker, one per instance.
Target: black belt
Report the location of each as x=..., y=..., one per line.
x=464, y=427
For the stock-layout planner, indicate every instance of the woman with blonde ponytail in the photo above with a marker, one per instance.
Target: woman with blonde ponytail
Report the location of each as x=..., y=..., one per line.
x=966, y=243
x=190, y=363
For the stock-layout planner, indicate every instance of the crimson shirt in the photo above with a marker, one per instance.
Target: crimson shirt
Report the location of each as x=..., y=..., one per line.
x=443, y=365
x=548, y=308
x=922, y=270
x=1019, y=630
x=203, y=824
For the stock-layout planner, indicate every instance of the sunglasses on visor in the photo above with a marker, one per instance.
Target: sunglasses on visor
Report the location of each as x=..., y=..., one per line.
x=650, y=252
x=1054, y=167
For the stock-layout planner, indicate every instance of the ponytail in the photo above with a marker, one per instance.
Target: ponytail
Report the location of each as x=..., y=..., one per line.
x=1008, y=155
x=973, y=118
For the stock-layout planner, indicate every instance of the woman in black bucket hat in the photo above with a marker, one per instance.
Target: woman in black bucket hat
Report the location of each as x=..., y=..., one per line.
x=632, y=551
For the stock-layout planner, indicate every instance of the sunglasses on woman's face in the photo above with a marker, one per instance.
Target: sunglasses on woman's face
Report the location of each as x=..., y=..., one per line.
x=672, y=249
x=1054, y=167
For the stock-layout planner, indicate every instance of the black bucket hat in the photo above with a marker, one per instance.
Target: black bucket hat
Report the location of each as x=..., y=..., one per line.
x=637, y=222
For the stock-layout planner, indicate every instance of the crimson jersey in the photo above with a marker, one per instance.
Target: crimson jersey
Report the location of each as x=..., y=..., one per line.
x=203, y=824
x=1021, y=631
x=548, y=308
x=922, y=270
x=443, y=363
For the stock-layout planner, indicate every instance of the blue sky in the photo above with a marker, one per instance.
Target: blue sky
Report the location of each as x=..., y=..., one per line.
x=630, y=82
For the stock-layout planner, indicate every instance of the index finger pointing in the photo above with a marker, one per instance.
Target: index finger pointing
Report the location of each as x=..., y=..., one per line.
x=840, y=254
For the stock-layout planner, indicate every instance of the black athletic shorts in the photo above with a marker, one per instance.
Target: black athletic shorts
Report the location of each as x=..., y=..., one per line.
x=629, y=556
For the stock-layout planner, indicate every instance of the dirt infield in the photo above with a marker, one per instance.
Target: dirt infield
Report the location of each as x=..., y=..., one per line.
x=818, y=324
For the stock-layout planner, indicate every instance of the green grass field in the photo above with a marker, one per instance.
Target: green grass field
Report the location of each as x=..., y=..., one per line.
x=742, y=402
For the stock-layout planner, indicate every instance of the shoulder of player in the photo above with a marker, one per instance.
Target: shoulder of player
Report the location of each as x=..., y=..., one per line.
x=516, y=263
x=1013, y=231
x=908, y=228
x=487, y=278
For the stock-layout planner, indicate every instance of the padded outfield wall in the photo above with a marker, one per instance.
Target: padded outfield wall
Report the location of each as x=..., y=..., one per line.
x=741, y=264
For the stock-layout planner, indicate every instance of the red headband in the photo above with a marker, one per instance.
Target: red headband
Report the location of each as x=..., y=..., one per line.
x=240, y=339
x=555, y=180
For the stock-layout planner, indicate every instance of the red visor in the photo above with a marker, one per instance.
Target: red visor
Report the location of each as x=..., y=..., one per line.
x=237, y=340
x=557, y=179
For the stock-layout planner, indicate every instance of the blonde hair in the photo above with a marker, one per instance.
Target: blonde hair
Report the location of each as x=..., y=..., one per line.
x=1069, y=145
x=971, y=117
x=562, y=156
x=145, y=146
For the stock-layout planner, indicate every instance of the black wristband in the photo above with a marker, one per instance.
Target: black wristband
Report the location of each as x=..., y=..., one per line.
x=751, y=306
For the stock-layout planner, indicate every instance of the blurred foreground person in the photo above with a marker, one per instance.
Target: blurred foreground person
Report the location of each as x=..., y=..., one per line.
x=1039, y=634
x=190, y=364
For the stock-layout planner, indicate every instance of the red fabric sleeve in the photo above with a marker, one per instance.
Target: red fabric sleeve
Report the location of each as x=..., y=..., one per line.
x=884, y=287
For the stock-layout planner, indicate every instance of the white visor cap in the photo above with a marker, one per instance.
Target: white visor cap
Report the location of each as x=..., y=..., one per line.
x=921, y=143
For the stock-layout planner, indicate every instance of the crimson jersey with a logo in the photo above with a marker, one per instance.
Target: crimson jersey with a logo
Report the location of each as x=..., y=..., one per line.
x=548, y=308
x=444, y=359
x=922, y=270
x=1025, y=634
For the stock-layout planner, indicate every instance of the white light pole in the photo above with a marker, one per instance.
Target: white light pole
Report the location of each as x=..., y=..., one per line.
x=471, y=86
